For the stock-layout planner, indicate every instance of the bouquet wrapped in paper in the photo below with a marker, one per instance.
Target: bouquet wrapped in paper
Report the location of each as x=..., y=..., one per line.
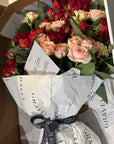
x=72, y=41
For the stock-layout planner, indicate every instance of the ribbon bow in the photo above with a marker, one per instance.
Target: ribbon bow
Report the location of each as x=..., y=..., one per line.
x=50, y=126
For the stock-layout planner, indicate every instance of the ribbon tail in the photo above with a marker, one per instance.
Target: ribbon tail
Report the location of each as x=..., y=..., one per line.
x=51, y=138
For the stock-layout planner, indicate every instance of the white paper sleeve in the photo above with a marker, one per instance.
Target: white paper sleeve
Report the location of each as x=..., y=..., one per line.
x=105, y=112
x=52, y=95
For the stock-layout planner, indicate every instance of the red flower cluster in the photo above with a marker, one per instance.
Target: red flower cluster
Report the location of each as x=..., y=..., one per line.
x=84, y=26
x=10, y=68
x=104, y=30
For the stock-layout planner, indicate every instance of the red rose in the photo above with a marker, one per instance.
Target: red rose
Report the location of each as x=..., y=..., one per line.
x=19, y=36
x=104, y=30
x=26, y=43
x=84, y=26
x=12, y=63
x=57, y=36
x=57, y=16
x=79, y=4
x=56, y=4
x=34, y=33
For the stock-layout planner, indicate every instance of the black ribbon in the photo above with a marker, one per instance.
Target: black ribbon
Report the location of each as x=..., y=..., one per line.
x=50, y=126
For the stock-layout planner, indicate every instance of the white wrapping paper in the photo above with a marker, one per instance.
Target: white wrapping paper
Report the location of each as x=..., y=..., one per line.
x=51, y=95
x=105, y=112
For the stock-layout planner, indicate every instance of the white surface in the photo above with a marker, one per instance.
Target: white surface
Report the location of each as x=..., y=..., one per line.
x=38, y=62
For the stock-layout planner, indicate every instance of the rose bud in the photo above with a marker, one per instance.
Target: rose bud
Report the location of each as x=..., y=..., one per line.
x=50, y=13
x=13, y=43
x=60, y=50
x=9, y=55
x=48, y=47
x=31, y=15
x=96, y=14
x=74, y=40
x=87, y=44
x=25, y=44
x=56, y=25
x=12, y=63
x=57, y=16
x=79, y=54
x=42, y=38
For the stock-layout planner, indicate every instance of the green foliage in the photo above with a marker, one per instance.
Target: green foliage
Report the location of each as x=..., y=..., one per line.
x=92, y=52
x=18, y=51
x=102, y=93
x=103, y=75
x=20, y=60
x=110, y=67
x=24, y=28
x=86, y=69
x=9, y=97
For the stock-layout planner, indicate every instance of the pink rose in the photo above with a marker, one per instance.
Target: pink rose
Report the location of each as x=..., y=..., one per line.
x=48, y=47
x=47, y=25
x=87, y=43
x=79, y=54
x=56, y=25
x=74, y=40
x=31, y=15
x=42, y=38
x=60, y=50
x=98, y=45
x=96, y=14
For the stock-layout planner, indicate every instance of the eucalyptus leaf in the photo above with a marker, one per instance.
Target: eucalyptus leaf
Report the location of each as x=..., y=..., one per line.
x=92, y=52
x=110, y=67
x=102, y=93
x=77, y=29
x=103, y=75
x=18, y=50
x=20, y=60
x=24, y=28
x=86, y=69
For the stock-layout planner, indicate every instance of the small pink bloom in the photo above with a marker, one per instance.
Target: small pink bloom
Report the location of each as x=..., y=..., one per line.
x=31, y=15
x=50, y=12
x=96, y=14
x=42, y=38
x=48, y=47
x=60, y=50
x=74, y=40
x=79, y=54
x=98, y=45
x=56, y=25
x=87, y=43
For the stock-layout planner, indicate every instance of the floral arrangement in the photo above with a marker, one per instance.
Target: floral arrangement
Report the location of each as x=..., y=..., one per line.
x=72, y=33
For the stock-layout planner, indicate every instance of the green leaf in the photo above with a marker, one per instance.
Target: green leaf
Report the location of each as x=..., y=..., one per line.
x=77, y=29
x=20, y=60
x=102, y=93
x=23, y=28
x=40, y=11
x=94, y=24
x=110, y=67
x=87, y=69
x=92, y=52
x=103, y=75
x=23, y=14
x=100, y=2
x=18, y=50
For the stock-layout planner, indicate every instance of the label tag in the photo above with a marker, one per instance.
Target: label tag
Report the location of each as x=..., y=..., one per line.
x=39, y=62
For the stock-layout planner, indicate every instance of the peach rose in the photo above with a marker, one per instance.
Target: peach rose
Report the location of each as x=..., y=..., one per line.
x=56, y=25
x=60, y=50
x=47, y=25
x=83, y=15
x=48, y=47
x=96, y=14
x=87, y=43
x=74, y=40
x=97, y=45
x=79, y=54
x=31, y=15
x=42, y=38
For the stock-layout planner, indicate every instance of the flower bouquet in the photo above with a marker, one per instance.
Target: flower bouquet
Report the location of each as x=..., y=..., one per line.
x=72, y=41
